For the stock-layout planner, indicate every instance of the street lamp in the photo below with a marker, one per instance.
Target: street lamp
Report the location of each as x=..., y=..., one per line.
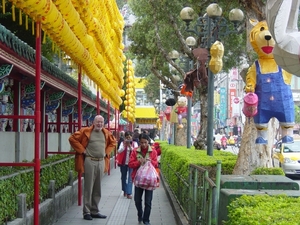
x=160, y=108
x=209, y=28
x=190, y=41
x=174, y=55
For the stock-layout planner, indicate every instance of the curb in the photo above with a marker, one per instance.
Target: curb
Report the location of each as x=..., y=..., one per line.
x=178, y=213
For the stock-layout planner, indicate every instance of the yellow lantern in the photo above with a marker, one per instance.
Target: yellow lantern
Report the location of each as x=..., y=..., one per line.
x=121, y=93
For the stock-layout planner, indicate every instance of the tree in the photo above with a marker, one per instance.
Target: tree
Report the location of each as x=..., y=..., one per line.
x=159, y=29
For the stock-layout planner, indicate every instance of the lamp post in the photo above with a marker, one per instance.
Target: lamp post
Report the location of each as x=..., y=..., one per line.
x=174, y=55
x=190, y=41
x=209, y=28
x=159, y=106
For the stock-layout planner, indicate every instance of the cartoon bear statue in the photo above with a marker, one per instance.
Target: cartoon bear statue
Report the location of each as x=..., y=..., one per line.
x=271, y=84
x=181, y=110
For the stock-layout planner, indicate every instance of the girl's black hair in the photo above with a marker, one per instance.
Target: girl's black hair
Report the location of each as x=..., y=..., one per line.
x=144, y=136
x=128, y=133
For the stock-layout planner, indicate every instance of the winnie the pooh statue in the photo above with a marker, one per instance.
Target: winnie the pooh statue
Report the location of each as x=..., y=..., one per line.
x=271, y=84
x=181, y=110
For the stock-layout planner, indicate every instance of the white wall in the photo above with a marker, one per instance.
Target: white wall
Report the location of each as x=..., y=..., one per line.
x=17, y=147
x=7, y=147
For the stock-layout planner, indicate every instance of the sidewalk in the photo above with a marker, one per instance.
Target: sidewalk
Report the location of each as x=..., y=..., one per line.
x=120, y=210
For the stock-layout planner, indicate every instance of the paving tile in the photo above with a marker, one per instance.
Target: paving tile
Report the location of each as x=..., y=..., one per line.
x=120, y=210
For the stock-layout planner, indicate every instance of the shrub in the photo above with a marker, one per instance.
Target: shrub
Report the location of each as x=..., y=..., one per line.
x=178, y=158
x=22, y=181
x=264, y=210
x=268, y=171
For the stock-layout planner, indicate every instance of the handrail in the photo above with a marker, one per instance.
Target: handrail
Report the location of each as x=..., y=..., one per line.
x=198, y=195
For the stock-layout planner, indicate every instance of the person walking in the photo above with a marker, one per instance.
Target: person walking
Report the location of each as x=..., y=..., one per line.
x=93, y=146
x=136, y=135
x=121, y=139
x=138, y=157
x=123, y=156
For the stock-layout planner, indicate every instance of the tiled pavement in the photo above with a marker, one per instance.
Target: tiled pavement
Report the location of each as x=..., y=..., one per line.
x=122, y=211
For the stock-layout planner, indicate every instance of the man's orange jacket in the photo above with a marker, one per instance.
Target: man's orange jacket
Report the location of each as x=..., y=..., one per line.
x=79, y=141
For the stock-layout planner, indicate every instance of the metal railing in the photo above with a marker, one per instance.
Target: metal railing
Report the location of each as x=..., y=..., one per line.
x=198, y=196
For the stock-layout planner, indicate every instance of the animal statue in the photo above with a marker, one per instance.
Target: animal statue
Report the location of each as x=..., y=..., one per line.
x=271, y=84
x=282, y=19
x=198, y=77
x=181, y=110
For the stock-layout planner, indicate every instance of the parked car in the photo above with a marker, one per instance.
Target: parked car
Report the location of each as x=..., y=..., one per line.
x=288, y=155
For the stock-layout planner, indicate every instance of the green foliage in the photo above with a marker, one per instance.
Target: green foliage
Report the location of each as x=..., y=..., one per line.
x=264, y=210
x=21, y=180
x=268, y=171
x=152, y=88
x=164, y=14
x=297, y=114
x=178, y=158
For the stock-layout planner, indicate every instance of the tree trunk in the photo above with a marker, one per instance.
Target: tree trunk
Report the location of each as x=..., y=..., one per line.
x=180, y=135
x=251, y=155
x=200, y=143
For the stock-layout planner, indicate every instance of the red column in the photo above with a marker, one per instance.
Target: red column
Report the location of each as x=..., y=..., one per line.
x=37, y=113
x=79, y=126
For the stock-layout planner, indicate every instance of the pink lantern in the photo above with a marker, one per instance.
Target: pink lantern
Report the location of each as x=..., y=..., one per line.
x=250, y=104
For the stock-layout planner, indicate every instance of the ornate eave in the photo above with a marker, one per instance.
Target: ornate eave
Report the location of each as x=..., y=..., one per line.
x=30, y=70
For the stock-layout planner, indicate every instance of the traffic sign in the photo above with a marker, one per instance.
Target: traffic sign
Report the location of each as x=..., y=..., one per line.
x=236, y=100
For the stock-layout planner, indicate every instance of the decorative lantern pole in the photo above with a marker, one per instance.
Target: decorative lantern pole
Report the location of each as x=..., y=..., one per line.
x=209, y=28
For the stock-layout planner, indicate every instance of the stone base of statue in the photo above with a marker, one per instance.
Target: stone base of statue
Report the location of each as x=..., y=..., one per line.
x=180, y=135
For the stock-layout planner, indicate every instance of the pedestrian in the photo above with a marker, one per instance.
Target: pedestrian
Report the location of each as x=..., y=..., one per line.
x=138, y=157
x=136, y=135
x=123, y=156
x=93, y=146
x=121, y=138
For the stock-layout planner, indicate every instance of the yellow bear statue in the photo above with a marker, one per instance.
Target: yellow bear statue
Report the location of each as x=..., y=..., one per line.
x=271, y=84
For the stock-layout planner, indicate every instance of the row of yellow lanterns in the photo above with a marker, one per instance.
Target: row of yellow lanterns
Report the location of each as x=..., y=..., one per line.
x=89, y=32
x=130, y=99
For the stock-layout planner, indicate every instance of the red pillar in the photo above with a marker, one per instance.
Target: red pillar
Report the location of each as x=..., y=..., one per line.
x=37, y=113
x=79, y=126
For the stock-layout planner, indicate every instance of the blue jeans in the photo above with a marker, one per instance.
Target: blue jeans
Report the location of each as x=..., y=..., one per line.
x=126, y=179
x=138, y=194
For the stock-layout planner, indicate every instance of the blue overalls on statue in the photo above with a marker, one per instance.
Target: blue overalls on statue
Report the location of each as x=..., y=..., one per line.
x=275, y=97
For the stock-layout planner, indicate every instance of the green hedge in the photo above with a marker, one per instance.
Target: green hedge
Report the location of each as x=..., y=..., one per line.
x=268, y=171
x=178, y=158
x=53, y=168
x=264, y=210
x=246, y=210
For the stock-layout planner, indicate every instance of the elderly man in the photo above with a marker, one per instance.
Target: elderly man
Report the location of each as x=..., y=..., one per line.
x=93, y=146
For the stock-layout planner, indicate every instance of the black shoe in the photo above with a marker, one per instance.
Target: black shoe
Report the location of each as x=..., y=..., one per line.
x=140, y=220
x=98, y=215
x=87, y=217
